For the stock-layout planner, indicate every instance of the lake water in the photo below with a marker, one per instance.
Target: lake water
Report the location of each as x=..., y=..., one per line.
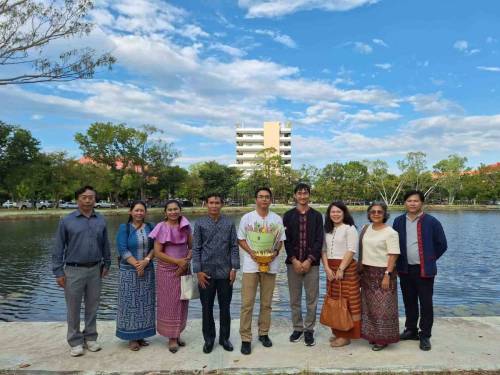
x=467, y=283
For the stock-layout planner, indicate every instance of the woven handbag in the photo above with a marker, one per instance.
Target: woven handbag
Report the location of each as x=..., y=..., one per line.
x=334, y=313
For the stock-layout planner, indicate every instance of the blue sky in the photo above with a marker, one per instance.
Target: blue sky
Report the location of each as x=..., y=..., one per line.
x=358, y=79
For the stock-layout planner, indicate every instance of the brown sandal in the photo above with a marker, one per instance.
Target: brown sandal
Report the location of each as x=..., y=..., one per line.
x=143, y=342
x=134, y=345
x=339, y=342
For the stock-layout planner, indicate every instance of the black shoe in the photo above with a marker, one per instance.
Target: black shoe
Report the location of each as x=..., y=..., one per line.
x=266, y=341
x=409, y=334
x=246, y=347
x=208, y=346
x=309, y=338
x=295, y=336
x=226, y=344
x=379, y=347
x=425, y=344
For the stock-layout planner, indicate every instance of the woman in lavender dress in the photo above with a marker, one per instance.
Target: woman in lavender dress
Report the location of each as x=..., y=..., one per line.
x=173, y=239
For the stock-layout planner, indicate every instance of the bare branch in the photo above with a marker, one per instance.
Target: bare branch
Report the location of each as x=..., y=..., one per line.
x=27, y=26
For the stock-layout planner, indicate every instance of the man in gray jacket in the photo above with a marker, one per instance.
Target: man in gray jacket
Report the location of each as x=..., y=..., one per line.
x=80, y=259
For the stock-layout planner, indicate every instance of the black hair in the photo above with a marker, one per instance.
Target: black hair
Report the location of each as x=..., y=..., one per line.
x=132, y=206
x=170, y=201
x=264, y=188
x=384, y=208
x=408, y=194
x=347, y=216
x=83, y=190
x=302, y=186
x=213, y=195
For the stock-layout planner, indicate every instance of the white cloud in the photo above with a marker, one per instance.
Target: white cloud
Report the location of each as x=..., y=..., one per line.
x=286, y=40
x=380, y=42
x=461, y=45
x=277, y=8
x=192, y=32
x=433, y=104
x=464, y=47
x=437, y=136
x=384, y=66
x=363, y=48
x=331, y=113
x=491, y=40
x=232, y=51
x=495, y=69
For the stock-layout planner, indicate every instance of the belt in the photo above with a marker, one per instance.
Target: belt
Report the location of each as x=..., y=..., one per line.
x=86, y=265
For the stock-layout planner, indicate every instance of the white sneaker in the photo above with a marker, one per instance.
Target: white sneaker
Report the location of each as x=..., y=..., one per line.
x=76, y=351
x=93, y=346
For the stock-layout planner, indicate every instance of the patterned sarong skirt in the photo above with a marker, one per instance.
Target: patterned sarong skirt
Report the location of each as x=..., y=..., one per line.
x=135, y=318
x=379, y=318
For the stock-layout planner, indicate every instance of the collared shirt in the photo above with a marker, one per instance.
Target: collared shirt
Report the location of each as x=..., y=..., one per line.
x=215, y=247
x=80, y=239
x=412, y=240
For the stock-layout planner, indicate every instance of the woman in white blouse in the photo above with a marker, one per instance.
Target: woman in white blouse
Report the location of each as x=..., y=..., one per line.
x=340, y=245
x=379, y=251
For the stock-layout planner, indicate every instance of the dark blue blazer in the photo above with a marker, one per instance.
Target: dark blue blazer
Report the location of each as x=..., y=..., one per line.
x=431, y=243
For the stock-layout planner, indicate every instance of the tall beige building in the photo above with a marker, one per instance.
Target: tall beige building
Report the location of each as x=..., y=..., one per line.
x=249, y=141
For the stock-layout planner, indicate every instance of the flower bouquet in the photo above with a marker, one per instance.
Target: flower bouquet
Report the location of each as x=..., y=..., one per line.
x=263, y=239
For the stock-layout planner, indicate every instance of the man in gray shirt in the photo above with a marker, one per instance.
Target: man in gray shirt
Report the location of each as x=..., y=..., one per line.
x=80, y=259
x=215, y=260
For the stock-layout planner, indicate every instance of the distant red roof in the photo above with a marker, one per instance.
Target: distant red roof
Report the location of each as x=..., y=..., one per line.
x=118, y=164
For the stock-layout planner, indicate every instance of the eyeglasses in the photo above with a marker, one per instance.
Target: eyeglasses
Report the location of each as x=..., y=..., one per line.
x=376, y=212
x=267, y=197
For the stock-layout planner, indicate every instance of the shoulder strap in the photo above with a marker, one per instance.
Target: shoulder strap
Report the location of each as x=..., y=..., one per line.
x=360, y=246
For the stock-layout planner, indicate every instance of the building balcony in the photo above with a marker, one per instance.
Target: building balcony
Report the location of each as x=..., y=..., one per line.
x=253, y=148
x=247, y=139
x=246, y=157
x=285, y=148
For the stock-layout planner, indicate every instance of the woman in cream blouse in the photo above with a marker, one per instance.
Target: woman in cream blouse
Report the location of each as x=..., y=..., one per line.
x=378, y=254
x=340, y=245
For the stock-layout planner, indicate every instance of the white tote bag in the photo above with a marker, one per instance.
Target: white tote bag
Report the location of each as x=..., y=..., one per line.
x=189, y=287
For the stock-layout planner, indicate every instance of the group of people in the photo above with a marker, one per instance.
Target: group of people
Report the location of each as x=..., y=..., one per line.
x=362, y=268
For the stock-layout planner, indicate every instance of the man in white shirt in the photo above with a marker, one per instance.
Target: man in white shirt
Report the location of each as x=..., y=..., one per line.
x=252, y=278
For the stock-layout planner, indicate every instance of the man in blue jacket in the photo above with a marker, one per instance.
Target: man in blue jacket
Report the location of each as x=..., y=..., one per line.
x=422, y=242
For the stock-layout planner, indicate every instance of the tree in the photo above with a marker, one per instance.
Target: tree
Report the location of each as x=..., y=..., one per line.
x=18, y=151
x=450, y=172
x=27, y=27
x=170, y=179
x=387, y=185
x=412, y=167
x=218, y=178
x=152, y=156
x=127, y=150
x=54, y=176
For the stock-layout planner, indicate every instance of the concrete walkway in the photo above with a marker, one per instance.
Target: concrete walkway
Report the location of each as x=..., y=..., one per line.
x=458, y=344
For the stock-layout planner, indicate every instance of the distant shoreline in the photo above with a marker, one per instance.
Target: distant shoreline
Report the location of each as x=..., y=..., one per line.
x=13, y=214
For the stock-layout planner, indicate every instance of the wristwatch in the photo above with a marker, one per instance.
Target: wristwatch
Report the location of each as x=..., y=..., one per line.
x=388, y=273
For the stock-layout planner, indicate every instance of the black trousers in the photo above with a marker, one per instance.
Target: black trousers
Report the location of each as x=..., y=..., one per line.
x=224, y=291
x=415, y=290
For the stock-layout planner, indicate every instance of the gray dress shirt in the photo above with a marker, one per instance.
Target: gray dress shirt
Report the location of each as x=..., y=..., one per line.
x=215, y=247
x=81, y=239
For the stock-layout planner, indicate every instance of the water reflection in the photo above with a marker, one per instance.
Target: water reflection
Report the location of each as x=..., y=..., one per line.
x=467, y=283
